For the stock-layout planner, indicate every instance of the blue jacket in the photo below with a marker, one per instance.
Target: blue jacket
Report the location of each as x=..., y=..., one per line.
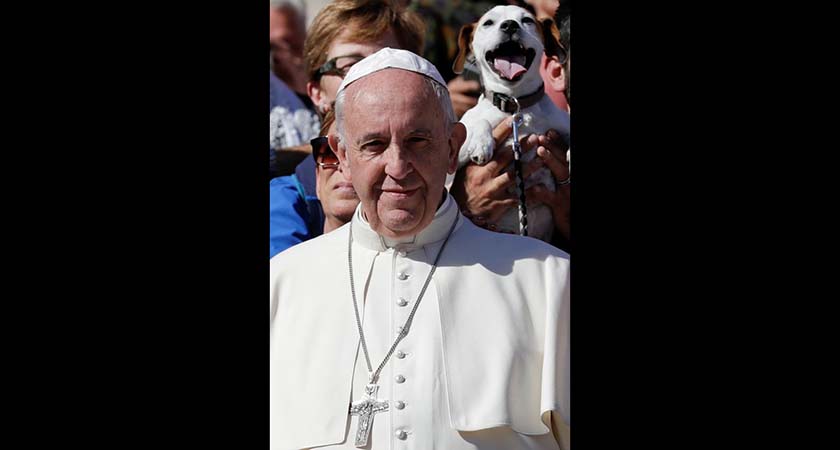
x=294, y=216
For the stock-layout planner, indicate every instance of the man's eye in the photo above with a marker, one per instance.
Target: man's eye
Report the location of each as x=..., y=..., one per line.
x=372, y=146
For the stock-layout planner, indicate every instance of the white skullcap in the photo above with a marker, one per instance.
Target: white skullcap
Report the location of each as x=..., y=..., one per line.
x=391, y=58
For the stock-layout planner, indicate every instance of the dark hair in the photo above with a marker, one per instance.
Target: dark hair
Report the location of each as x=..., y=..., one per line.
x=565, y=33
x=562, y=17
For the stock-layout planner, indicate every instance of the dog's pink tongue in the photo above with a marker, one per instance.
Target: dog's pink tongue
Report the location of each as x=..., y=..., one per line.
x=510, y=66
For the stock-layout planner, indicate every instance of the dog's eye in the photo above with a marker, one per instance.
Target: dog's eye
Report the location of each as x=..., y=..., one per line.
x=527, y=20
x=488, y=23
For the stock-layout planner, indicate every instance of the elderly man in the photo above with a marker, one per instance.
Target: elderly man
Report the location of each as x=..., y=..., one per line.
x=422, y=330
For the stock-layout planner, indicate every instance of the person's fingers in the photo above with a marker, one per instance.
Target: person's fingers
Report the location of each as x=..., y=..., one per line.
x=501, y=182
x=557, y=168
x=502, y=158
x=460, y=85
x=502, y=131
x=528, y=142
x=463, y=101
x=554, y=141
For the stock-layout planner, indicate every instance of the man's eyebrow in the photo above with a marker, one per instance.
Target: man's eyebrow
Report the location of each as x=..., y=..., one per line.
x=375, y=136
x=422, y=131
x=369, y=137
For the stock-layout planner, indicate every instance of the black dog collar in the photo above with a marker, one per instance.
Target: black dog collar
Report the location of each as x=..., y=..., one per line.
x=506, y=104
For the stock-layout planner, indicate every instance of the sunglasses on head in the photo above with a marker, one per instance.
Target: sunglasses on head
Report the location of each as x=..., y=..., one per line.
x=323, y=154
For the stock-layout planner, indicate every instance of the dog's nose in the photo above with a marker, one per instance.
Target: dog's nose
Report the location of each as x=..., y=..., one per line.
x=509, y=26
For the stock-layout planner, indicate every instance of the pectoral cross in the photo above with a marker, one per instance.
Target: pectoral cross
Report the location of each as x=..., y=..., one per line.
x=365, y=409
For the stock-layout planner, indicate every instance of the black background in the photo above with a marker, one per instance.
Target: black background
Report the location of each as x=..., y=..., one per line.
x=146, y=217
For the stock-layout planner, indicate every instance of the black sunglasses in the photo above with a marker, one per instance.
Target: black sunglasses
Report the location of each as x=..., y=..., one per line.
x=323, y=154
x=337, y=66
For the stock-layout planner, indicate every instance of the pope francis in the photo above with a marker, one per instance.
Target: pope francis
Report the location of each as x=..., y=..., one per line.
x=410, y=327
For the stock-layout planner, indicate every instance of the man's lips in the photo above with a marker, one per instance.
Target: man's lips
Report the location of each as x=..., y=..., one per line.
x=345, y=190
x=399, y=193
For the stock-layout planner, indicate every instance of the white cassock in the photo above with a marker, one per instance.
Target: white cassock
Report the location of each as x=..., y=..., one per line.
x=485, y=361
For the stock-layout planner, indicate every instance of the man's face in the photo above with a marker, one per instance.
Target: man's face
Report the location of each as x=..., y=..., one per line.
x=396, y=150
x=338, y=198
x=286, y=35
x=323, y=92
x=544, y=8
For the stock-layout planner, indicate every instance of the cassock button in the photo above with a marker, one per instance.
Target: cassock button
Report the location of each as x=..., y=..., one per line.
x=399, y=404
x=402, y=276
x=402, y=302
x=400, y=354
x=400, y=379
x=401, y=435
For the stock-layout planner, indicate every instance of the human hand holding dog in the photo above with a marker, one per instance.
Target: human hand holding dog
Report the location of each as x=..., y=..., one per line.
x=551, y=151
x=482, y=191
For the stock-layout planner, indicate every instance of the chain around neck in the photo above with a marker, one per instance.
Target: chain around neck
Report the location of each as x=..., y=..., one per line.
x=374, y=376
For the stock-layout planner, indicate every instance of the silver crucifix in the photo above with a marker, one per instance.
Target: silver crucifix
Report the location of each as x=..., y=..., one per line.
x=365, y=409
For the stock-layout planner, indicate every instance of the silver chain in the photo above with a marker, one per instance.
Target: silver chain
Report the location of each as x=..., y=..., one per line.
x=375, y=375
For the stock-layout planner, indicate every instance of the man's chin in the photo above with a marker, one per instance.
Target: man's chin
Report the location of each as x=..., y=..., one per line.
x=401, y=222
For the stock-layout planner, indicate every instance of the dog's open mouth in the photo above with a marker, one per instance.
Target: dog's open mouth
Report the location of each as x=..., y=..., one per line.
x=510, y=60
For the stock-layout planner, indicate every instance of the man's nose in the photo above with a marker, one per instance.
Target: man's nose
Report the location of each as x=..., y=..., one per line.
x=397, y=164
x=509, y=26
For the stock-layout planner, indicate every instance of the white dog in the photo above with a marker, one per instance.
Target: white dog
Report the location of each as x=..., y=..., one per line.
x=507, y=43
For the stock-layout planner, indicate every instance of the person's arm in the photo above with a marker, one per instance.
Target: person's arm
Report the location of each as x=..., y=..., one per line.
x=463, y=93
x=287, y=215
x=482, y=191
x=286, y=159
x=551, y=151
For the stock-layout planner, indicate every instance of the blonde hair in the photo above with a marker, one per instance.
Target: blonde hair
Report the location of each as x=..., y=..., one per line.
x=369, y=19
x=329, y=118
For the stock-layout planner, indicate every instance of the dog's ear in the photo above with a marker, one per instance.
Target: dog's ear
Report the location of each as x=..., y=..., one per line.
x=551, y=38
x=464, y=41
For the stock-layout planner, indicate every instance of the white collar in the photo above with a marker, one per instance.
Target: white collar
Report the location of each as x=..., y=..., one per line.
x=434, y=232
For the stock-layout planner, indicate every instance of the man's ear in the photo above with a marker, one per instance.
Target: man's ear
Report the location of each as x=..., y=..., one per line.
x=313, y=90
x=464, y=41
x=456, y=140
x=340, y=150
x=555, y=74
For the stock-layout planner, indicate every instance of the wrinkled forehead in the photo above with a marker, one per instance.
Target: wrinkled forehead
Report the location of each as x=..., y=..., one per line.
x=504, y=12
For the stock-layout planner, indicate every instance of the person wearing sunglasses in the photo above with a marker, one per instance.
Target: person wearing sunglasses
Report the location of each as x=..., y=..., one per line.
x=291, y=220
x=344, y=32
x=335, y=192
